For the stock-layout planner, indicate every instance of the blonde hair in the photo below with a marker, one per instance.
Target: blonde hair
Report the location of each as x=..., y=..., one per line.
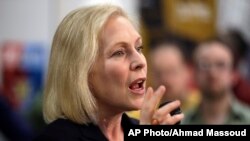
x=74, y=50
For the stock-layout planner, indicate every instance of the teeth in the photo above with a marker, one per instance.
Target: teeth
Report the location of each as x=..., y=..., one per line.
x=140, y=81
x=135, y=86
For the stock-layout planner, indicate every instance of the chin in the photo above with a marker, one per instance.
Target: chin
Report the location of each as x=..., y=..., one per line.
x=216, y=90
x=214, y=93
x=136, y=106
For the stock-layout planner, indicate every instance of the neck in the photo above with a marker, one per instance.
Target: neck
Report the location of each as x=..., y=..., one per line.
x=110, y=124
x=215, y=111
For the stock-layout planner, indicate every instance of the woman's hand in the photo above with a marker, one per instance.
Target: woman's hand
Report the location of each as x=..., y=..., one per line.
x=151, y=114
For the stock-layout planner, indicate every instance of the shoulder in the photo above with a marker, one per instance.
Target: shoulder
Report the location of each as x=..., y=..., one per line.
x=60, y=130
x=241, y=110
x=192, y=116
x=66, y=130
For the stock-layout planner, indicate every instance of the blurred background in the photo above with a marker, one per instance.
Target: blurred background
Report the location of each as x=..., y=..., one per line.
x=27, y=28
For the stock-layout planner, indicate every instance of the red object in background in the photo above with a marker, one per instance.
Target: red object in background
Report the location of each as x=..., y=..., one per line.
x=241, y=88
x=13, y=77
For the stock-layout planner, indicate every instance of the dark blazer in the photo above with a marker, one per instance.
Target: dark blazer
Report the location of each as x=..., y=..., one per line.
x=66, y=130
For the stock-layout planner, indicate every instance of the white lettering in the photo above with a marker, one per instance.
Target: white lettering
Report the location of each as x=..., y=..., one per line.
x=131, y=132
x=146, y=131
x=211, y=132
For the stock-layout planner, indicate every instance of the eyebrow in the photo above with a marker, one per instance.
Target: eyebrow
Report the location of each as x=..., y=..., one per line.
x=137, y=41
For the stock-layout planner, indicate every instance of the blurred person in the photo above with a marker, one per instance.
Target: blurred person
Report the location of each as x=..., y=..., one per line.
x=13, y=125
x=214, y=62
x=96, y=73
x=22, y=79
x=170, y=67
x=14, y=77
x=241, y=85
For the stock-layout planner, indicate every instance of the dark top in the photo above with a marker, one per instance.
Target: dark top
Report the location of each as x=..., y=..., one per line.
x=66, y=130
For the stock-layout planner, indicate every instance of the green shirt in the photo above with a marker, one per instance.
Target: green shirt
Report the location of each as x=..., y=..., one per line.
x=239, y=114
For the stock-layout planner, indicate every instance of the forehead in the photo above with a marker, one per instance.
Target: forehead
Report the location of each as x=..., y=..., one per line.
x=214, y=51
x=166, y=57
x=167, y=53
x=118, y=28
x=167, y=50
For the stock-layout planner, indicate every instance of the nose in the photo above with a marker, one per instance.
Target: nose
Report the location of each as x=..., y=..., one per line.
x=138, y=62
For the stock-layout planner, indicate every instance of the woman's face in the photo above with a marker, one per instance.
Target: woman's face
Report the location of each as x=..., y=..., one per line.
x=118, y=76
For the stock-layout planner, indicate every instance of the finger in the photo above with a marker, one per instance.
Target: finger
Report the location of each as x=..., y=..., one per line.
x=152, y=99
x=172, y=119
x=149, y=94
x=150, y=103
x=155, y=122
x=161, y=113
x=145, y=115
x=147, y=98
x=158, y=94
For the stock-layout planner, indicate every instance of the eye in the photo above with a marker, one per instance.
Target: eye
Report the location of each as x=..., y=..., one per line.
x=118, y=53
x=204, y=66
x=139, y=49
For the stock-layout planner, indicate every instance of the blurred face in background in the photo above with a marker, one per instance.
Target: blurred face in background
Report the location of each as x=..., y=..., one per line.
x=12, y=55
x=119, y=73
x=170, y=70
x=214, y=69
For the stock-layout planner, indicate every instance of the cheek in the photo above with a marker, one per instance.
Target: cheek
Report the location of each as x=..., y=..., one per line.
x=200, y=78
x=116, y=71
x=229, y=78
x=146, y=65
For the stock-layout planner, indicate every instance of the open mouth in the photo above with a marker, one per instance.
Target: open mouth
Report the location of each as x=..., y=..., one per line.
x=137, y=86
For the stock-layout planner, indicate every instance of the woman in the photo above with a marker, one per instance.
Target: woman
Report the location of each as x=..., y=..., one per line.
x=97, y=72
